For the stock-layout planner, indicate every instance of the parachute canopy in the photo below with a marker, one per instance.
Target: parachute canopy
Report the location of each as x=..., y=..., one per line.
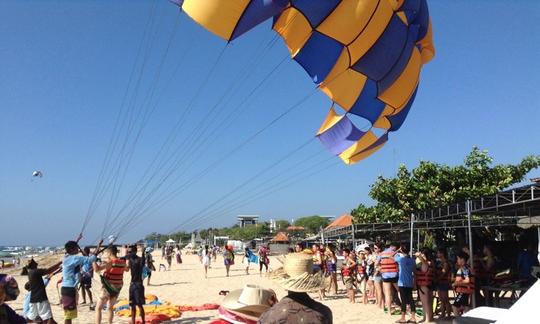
x=365, y=55
x=37, y=174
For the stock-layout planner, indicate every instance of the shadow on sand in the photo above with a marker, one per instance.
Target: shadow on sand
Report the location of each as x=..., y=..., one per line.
x=169, y=284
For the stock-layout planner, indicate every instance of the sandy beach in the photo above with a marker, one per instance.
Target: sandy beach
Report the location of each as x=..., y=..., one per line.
x=185, y=284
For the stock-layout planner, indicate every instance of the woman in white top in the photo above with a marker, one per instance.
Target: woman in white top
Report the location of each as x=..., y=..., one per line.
x=206, y=260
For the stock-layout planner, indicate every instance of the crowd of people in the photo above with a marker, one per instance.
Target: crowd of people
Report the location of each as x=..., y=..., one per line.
x=388, y=275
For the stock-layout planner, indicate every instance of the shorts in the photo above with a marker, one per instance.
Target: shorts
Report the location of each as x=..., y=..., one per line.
x=462, y=300
x=107, y=294
x=86, y=281
x=69, y=302
x=41, y=310
x=331, y=267
x=349, y=282
x=228, y=262
x=136, y=294
x=391, y=280
x=316, y=268
x=443, y=286
x=377, y=278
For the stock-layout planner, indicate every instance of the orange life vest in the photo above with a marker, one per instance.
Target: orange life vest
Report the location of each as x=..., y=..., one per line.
x=424, y=279
x=115, y=274
x=442, y=277
x=465, y=289
x=387, y=263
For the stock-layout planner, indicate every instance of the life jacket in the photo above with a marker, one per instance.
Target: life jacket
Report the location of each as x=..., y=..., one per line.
x=361, y=268
x=441, y=277
x=424, y=279
x=468, y=288
x=388, y=264
x=115, y=275
x=346, y=270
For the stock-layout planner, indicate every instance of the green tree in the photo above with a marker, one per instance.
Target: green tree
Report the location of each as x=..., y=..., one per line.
x=312, y=223
x=430, y=185
x=282, y=225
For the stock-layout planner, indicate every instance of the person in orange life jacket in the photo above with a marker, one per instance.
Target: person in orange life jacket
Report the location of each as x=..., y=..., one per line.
x=463, y=285
x=424, y=273
x=443, y=276
x=361, y=266
x=112, y=279
x=347, y=271
x=389, y=272
x=406, y=283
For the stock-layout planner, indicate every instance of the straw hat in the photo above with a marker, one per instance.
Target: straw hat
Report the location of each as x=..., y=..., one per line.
x=297, y=274
x=252, y=300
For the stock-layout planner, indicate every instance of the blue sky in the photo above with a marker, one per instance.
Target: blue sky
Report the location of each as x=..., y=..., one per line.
x=65, y=66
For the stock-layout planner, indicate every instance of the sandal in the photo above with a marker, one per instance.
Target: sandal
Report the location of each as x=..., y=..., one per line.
x=401, y=321
x=411, y=321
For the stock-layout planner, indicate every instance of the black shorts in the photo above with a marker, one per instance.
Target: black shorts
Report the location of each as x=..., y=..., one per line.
x=391, y=280
x=86, y=281
x=136, y=294
x=462, y=300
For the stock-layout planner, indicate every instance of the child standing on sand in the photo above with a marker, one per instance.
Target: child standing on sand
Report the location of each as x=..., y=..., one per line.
x=135, y=264
x=228, y=258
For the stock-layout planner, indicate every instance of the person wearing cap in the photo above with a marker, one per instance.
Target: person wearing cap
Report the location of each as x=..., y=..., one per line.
x=246, y=305
x=71, y=267
x=297, y=277
x=9, y=290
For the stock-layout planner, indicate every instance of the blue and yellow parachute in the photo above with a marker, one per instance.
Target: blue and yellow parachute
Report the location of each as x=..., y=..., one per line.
x=365, y=55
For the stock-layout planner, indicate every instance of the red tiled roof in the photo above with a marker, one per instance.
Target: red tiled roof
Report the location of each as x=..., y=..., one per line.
x=280, y=237
x=341, y=221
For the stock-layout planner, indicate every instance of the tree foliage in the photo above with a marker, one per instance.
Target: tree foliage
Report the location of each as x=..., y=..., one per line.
x=282, y=225
x=430, y=185
x=312, y=223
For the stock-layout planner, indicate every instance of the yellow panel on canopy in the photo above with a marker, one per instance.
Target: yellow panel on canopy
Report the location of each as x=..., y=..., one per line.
x=364, y=142
x=348, y=19
x=218, y=16
x=371, y=33
x=343, y=85
x=401, y=90
x=331, y=119
x=294, y=28
x=364, y=154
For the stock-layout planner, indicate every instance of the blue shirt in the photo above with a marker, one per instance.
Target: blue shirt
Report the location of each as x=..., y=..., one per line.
x=71, y=267
x=406, y=270
x=387, y=275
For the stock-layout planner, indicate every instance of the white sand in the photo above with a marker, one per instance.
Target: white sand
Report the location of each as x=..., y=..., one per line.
x=185, y=285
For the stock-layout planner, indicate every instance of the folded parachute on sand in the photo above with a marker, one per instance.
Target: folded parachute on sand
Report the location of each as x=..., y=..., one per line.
x=365, y=55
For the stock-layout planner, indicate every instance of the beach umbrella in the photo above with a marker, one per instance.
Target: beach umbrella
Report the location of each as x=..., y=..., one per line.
x=365, y=55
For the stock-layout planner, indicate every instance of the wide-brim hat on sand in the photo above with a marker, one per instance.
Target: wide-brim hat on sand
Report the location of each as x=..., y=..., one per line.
x=252, y=300
x=297, y=274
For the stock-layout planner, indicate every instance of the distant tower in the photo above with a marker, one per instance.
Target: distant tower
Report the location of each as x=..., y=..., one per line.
x=272, y=225
x=244, y=220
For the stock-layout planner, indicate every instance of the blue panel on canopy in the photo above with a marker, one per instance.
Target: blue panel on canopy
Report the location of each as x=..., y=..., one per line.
x=422, y=19
x=368, y=105
x=411, y=9
x=397, y=120
x=318, y=56
x=315, y=10
x=257, y=12
x=401, y=63
x=341, y=136
x=380, y=58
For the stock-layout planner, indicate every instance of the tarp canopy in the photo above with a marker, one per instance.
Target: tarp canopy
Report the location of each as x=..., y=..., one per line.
x=342, y=221
x=170, y=241
x=280, y=237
